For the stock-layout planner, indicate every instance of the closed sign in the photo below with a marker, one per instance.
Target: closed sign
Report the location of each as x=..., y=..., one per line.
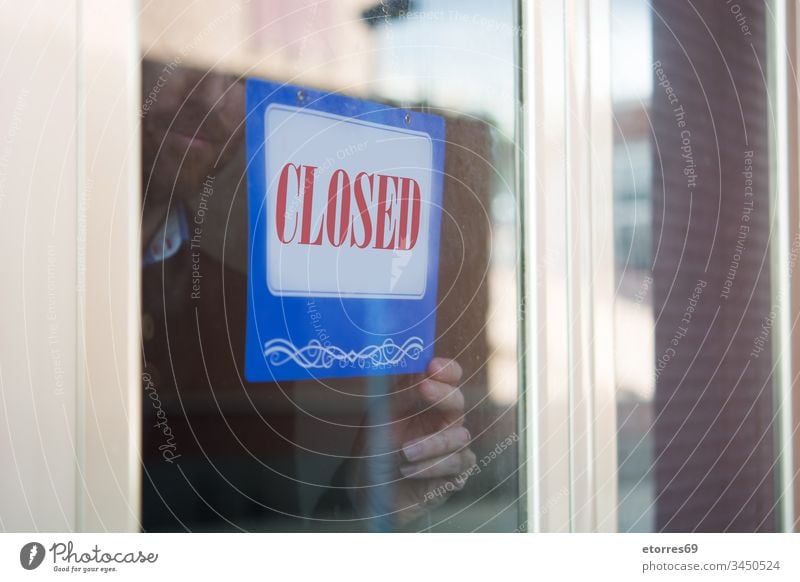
x=350, y=201
x=345, y=210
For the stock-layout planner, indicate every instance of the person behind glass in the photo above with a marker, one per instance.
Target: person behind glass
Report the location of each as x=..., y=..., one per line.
x=220, y=452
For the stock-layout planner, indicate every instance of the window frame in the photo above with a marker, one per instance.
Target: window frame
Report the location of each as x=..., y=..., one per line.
x=568, y=267
x=784, y=142
x=108, y=431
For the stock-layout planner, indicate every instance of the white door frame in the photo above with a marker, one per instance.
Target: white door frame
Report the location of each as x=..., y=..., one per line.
x=568, y=267
x=109, y=266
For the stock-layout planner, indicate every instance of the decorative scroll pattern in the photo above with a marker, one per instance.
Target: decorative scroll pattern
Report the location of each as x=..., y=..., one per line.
x=315, y=355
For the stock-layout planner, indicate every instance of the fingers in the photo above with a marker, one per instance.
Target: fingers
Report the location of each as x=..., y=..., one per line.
x=438, y=444
x=450, y=465
x=446, y=398
x=445, y=370
x=443, y=486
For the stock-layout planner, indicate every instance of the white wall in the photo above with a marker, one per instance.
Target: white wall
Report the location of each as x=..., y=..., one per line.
x=69, y=266
x=38, y=201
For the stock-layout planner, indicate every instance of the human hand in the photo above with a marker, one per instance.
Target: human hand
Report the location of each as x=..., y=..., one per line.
x=426, y=457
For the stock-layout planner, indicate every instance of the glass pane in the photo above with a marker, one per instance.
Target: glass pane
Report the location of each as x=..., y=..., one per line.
x=693, y=306
x=222, y=453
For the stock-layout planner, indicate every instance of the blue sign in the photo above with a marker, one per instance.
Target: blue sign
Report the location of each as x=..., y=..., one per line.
x=345, y=203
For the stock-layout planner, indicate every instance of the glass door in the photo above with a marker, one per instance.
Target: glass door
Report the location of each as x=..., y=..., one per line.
x=440, y=450
x=701, y=264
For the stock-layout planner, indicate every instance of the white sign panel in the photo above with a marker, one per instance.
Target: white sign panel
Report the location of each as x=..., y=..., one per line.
x=350, y=201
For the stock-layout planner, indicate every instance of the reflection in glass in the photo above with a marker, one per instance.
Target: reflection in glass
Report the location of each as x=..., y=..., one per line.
x=694, y=310
x=631, y=49
x=291, y=456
